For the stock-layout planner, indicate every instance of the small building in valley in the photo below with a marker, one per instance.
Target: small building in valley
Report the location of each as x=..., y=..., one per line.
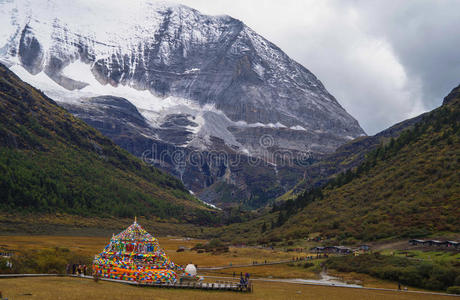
x=365, y=248
x=453, y=244
x=416, y=242
x=435, y=243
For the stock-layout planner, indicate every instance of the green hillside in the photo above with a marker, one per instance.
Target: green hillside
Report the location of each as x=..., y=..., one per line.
x=52, y=162
x=346, y=157
x=407, y=188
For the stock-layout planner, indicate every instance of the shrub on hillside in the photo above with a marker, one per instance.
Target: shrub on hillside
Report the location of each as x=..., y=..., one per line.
x=214, y=246
x=454, y=290
x=457, y=280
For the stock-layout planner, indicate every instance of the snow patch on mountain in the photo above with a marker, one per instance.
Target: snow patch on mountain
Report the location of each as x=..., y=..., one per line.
x=209, y=121
x=297, y=127
x=40, y=80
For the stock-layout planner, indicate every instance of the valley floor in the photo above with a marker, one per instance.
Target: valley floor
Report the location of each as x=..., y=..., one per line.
x=91, y=245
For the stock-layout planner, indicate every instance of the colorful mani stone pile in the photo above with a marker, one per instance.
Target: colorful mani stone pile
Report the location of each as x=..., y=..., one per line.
x=135, y=255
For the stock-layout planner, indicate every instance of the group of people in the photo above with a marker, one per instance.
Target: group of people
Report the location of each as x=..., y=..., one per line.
x=244, y=281
x=255, y=262
x=77, y=269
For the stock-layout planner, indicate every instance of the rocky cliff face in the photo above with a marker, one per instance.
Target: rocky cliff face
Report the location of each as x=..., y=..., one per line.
x=222, y=176
x=193, y=79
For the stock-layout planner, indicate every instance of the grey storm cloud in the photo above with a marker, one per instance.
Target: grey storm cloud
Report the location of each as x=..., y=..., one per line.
x=384, y=61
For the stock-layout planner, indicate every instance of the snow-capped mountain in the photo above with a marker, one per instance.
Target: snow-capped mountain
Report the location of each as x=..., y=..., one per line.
x=170, y=60
x=171, y=76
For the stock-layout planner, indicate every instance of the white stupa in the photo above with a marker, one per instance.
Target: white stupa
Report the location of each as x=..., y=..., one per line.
x=190, y=269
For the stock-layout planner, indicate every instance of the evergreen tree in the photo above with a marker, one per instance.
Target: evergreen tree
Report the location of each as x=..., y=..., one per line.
x=264, y=227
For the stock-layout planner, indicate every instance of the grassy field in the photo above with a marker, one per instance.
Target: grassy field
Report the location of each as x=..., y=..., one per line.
x=76, y=288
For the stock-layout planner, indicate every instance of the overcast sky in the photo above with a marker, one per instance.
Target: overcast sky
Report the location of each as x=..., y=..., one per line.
x=384, y=61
